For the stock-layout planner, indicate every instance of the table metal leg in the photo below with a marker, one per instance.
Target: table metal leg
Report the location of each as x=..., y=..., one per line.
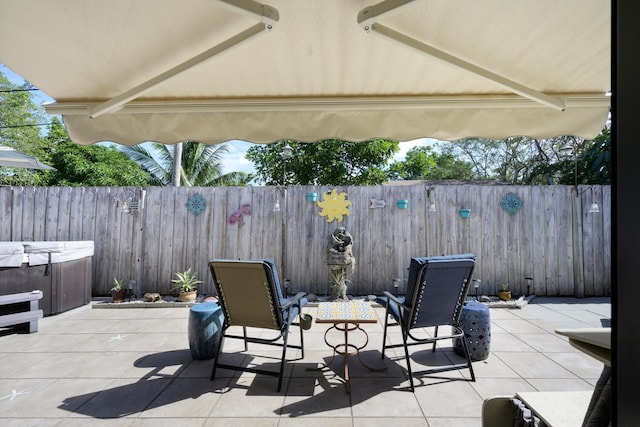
x=347, y=349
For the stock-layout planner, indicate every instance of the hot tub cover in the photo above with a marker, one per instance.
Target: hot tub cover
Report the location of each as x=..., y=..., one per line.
x=45, y=252
x=11, y=254
x=14, y=254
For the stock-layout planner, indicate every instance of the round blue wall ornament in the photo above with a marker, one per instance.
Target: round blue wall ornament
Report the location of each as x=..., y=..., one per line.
x=196, y=204
x=511, y=203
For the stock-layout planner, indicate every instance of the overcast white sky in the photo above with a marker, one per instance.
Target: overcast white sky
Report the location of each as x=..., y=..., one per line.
x=234, y=161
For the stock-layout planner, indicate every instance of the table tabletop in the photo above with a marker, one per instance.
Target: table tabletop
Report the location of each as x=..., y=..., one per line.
x=346, y=312
x=558, y=408
x=596, y=342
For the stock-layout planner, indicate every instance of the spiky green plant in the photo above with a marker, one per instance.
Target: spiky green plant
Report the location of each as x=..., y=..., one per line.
x=117, y=285
x=186, y=281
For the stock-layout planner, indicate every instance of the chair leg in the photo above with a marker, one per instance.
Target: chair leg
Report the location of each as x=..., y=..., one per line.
x=218, y=352
x=435, y=341
x=466, y=353
x=301, y=333
x=384, y=335
x=284, y=355
x=407, y=358
x=244, y=334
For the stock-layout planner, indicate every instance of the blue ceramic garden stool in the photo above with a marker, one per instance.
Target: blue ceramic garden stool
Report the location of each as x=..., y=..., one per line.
x=205, y=324
x=476, y=323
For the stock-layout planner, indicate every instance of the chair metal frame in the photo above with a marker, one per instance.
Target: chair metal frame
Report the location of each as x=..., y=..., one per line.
x=414, y=311
x=277, y=309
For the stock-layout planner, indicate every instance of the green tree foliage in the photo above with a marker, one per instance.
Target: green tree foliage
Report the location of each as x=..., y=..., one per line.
x=528, y=161
x=25, y=126
x=507, y=160
x=20, y=127
x=596, y=160
x=201, y=164
x=326, y=162
x=90, y=165
x=425, y=163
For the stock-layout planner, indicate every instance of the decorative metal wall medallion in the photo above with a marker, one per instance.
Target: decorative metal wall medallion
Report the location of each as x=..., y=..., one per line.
x=511, y=203
x=196, y=204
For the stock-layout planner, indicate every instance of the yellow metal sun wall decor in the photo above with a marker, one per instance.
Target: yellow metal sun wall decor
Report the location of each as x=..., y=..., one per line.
x=334, y=205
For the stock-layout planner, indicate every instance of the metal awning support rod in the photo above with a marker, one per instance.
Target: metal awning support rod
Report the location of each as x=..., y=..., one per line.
x=268, y=17
x=367, y=20
x=116, y=103
x=443, y=56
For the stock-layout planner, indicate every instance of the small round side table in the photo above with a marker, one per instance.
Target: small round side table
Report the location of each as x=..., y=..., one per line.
x=475, y=320
x=205, y=326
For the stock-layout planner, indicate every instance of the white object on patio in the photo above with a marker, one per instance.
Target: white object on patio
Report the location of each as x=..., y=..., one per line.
x=44, y=252
x=14, y=254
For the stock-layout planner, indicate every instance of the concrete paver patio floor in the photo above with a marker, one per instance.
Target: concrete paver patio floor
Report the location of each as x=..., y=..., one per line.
x=133, y=367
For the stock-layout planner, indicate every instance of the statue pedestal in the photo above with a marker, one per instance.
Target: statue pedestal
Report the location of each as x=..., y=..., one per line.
x=338, y=281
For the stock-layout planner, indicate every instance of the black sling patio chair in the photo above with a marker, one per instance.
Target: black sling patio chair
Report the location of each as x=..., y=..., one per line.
x=250, y=295
x=436, y=290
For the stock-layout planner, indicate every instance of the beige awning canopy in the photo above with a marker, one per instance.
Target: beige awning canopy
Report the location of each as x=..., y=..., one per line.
x=216, y=70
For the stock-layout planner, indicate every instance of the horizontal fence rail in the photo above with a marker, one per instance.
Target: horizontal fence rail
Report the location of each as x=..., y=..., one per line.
x=149, y=234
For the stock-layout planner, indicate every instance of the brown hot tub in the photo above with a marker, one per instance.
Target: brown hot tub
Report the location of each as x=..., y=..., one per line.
x=61, y=270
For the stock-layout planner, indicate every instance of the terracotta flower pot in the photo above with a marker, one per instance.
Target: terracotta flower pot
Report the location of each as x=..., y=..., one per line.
x=188, y=296
x=504, y=295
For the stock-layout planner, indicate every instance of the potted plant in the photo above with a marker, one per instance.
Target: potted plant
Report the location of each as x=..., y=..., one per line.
x=118, y=293
x=504, y=293
x=186, y=283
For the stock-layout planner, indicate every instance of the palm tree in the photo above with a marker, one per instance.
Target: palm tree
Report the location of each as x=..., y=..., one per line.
x=200, y=165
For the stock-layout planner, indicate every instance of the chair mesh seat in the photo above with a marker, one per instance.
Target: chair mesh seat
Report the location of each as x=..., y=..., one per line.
x=250, y=294
x=436, y=291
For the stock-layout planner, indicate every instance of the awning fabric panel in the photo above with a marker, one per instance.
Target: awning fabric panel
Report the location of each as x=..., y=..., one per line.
x=85, y=53
x=309, y=126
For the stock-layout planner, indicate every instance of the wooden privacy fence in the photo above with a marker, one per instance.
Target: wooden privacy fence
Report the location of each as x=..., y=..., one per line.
x=148, y=234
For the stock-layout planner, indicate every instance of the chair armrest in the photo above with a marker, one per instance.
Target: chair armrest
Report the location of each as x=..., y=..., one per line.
x=394, y=298
x=294, y=300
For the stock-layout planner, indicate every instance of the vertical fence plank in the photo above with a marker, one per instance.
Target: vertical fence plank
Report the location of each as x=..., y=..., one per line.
x=603, y=285
x=524, y=218
x=485, y=268
x=551, y=262
x=16, y=218
x=76, y=213
x=39, y=212
x=51, y=218
x=7, y=212
x=539, y=261
x=107, y=209
x=28, y=214
x=566, y=208
x=431, y=218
